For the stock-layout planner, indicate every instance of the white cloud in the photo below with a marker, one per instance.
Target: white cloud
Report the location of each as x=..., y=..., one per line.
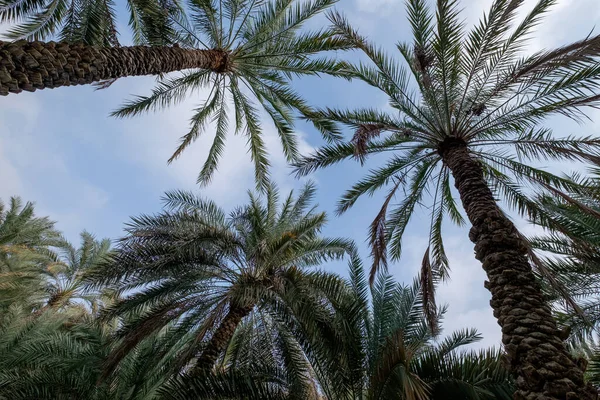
x=33, y=166
x=9, y=176
x=473, y=10
x=16, y=117
x=88, y=201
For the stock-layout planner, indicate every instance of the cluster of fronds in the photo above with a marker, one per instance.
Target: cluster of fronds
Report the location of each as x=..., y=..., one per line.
x=197, y=303
x=134, y=322
x=570, y=251
x=474, y=88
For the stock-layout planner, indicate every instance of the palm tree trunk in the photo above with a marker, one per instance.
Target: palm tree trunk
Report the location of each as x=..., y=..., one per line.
x=535, y=352
x=221, y=338
x=39, y=65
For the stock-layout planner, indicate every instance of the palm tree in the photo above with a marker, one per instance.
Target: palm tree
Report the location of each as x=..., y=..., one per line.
x=244, y=52
x=395, y=355
x=570, y=251
x=25, y=254
x=66, y=278
x=471, y=106
x=54, y=347
x=50, y=356
x=193, y=276
x=591, y=355
x=92, y=22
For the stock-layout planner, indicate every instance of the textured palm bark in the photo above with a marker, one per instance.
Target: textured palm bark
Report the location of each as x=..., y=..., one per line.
x=220, y=339
x=38, y=65
x=535, y=353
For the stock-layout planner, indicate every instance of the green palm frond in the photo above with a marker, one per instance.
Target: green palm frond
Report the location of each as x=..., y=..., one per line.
x=40, y=354
x=66, y=279
x=26, y=254
x=20, y=227
x=265, y=46
x=570, y=252
x=216, y=288
x=395, y=355
x=474, y=88
x=93, y=22
x=468, y=375
x=255, y=383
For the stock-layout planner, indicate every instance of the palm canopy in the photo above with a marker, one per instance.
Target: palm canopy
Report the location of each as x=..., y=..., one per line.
x=25, y=253
x=194, y=278
x=51, y=355
x=262, y=361
x=570, y=251
x=476, y=89
x=66, y=277
x=250, y=50
x=90, y=22
x=58, y=355
x=19, y=227
x=395, y=355
x=262, y=45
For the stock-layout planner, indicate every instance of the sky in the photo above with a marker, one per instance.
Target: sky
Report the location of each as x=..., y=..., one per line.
x=88, y=171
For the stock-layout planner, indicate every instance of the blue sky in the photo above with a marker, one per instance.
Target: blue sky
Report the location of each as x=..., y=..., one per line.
x=87, y=170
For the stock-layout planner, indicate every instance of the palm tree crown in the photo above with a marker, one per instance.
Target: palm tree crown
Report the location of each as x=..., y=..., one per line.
x=261, y=45
x=201, y=279
x=474, y=89
x=20, y=227
x=243, y=53
x=66, y=277
x=25, y=253
x=471, y=106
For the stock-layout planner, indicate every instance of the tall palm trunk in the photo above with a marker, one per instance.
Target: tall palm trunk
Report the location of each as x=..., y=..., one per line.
x=38, y=65
x=220, y=339
x=536, y=354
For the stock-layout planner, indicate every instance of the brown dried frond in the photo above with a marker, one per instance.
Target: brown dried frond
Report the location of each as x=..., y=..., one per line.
x=104, y=84
x=377, y=237
x=378, y=244
x=362, y=137
x=428, y=292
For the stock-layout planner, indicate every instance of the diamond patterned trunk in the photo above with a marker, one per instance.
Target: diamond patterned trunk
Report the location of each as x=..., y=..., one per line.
x=39, y=65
